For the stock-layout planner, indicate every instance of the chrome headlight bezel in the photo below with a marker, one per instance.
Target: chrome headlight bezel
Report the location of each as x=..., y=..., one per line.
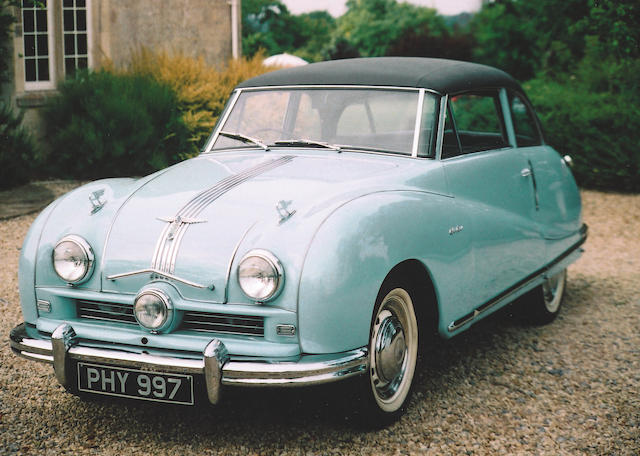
x=167, y=306
x=88, y=260
x=276, y=272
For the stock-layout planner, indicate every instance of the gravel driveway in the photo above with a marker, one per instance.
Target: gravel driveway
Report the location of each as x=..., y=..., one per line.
x=501, y=388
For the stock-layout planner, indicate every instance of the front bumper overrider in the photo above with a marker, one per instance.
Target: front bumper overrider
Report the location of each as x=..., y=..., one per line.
x=215, y=365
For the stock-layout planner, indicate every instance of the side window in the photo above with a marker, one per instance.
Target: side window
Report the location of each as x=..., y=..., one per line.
x=450, y=145
x=524, y=123
x=478, y=121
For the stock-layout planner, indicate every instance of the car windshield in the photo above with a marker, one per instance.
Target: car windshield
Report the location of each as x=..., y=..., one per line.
x=379, y=120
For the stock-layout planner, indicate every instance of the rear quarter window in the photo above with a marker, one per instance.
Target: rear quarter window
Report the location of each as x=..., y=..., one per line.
x=524, y=123
x=478, y=122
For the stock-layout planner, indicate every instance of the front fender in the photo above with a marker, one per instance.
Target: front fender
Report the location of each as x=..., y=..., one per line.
x=351, y=254
x=75, y=214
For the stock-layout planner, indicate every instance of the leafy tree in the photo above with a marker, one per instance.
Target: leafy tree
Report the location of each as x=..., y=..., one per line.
x=381, y=27
x=521, y=36
x=387, y=27
x=315, y=29
x=268, y=25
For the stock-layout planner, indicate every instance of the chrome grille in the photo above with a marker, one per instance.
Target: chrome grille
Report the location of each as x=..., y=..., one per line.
x=229, y=324
x=105, y=311
x=245, y=325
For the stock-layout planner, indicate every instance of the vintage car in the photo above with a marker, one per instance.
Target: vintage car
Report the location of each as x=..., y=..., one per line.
x=339, y=214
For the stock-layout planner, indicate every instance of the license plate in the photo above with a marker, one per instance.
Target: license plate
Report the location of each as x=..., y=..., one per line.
x=136, y=384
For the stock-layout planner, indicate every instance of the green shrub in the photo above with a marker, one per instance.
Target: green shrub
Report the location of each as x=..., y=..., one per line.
x=599, y=129
x=104, y=124
x=201, y=90
x=17, y=152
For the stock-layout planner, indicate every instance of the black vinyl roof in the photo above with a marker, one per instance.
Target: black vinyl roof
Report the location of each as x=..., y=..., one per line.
x=444, y=76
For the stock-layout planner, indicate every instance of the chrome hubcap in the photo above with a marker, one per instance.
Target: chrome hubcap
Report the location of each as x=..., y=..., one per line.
x=390, y=354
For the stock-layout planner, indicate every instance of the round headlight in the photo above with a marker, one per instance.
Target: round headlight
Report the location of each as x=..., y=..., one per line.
x=152, y=309
x=260, y=275
x=73, y=259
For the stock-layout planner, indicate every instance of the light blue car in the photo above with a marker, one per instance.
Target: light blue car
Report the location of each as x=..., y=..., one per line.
x=340, y=215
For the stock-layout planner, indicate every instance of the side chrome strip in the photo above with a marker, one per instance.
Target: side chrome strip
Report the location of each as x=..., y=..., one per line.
x=519, y=287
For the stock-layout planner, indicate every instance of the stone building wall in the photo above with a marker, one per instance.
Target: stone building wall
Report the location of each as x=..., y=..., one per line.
x=191, y=27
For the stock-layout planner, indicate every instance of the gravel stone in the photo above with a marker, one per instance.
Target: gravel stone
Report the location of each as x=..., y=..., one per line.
x=567, y=388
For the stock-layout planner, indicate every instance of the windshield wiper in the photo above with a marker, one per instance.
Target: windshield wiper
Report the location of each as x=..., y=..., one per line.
x=244, y=138
x=306, y=142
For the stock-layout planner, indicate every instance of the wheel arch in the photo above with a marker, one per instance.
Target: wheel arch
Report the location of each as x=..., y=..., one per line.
x=416, y=275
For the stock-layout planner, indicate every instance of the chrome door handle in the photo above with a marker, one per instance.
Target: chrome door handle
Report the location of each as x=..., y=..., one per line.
x=526, y=172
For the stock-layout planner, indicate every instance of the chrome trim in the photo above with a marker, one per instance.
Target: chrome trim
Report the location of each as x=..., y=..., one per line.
x=161, y=274
x=307, y=370
x=43, y=306
x=225, y=115
x=283, y=210
x=88, y=251
x=230, y=265
x=62, y=339
x=285, y=330
x=215, y=356
x=274, y=262
x=442, y=117
x=525, y=285
x=96, y=202
x=168, y=245
x=117, y=213
x=416, y=130
x=336, y=86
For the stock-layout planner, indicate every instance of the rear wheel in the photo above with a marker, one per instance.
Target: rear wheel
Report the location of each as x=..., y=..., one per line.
x=393, y=353
x=543, y=303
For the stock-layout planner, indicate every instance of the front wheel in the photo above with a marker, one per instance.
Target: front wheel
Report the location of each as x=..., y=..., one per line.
x=393, y=353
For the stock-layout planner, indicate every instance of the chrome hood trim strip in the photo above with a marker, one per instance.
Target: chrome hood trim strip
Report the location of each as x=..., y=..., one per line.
x=168, y=245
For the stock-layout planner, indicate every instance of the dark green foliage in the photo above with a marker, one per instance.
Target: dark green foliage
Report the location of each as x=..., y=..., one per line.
x=522, y=37
x=7, y=20
x=104, y=124
x=386, y=27
x=268, y=25
x=595, y=118
x=316, y=29
x=16, y=150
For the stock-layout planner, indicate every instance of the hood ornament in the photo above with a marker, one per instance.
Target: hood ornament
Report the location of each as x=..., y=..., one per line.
x=176, y=222
x=283, y=210
x=96, y=202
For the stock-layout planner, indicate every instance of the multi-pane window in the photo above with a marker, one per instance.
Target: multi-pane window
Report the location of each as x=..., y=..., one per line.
x=37, y=52
x=74, y=28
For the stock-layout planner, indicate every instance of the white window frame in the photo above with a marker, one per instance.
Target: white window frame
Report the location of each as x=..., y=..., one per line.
x=51, y=83
x=89, y=34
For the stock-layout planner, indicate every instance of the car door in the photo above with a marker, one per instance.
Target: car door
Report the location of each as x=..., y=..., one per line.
x=490, y=182
x=557, y=198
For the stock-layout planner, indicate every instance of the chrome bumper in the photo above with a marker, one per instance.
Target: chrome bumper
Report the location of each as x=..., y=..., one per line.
x=215, y=365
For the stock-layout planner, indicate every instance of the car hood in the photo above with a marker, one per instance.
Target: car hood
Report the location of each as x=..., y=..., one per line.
x=190, y=221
